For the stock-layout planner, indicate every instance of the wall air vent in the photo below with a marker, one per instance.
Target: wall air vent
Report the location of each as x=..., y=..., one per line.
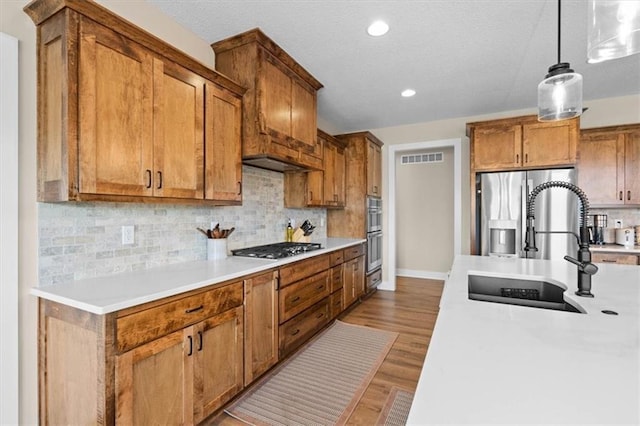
x=432, y=157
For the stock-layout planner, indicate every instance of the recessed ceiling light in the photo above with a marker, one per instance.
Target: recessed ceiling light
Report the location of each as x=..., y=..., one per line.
x=378, y=28
x=408, y=93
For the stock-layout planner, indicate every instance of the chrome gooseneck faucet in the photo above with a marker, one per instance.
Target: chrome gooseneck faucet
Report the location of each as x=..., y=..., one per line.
x=583, y=262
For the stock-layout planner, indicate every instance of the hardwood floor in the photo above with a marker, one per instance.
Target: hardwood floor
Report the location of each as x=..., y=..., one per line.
x=411, y=311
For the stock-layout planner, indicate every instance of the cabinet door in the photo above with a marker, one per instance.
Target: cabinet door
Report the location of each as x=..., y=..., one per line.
x=330, y=195
x=115, y=96
x=218, y=364
x=601, y=167
x=303, y=115
x=549, y=144
x=497, y=147
x=315, y=188
x=339, y=173
x=261, y=325
x=349, y=282
x=153, y=383
x=178, y=132
x=275, y=99
x=358, y=276
x=632, y=168
x=374, y=170
x=223, y=145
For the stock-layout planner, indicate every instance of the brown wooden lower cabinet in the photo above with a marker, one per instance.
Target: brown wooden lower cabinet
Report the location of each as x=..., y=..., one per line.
x=261, y=324
x=296, y=331
x=373, y=280
x=183, y=377
x=353, y=279
x=620, y=258
x=180, y=359
x=178, y=376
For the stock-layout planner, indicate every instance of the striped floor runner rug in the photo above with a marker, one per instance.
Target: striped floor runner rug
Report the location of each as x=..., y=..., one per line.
x=322, y=383
x=396, y=409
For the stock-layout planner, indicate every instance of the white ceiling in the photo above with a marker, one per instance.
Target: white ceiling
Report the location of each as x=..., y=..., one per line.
x=463, y=57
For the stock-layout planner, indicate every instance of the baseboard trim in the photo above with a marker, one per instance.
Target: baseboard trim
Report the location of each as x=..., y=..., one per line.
x=429, y=275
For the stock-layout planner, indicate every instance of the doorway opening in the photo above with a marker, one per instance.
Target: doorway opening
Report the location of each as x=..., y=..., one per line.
x=392, y=212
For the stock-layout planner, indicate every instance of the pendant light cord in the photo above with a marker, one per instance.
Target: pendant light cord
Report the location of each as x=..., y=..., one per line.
x=559, y=2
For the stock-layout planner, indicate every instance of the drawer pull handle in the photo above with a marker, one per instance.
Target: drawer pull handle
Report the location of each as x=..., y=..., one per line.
x=199, y=341
x=628, y=195
x=320, y=287
x=320, y=315
x=609, y=261
x=620, y=196
x=190, y=346
x=295, y=332
x=159, y=180
x=295, y=299
x=196, y=309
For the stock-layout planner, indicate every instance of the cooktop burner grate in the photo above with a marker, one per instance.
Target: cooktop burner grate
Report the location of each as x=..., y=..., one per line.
x=277, y=250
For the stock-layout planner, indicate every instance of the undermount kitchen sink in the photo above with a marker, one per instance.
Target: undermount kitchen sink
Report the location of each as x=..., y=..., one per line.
x=519, y=291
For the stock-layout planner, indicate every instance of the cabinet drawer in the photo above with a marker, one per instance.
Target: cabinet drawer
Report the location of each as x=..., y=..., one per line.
x=353, y=252
x=336, y=257
x=303, y=269
x=301, y=295
x=335, y=280
x=623, y=259
x=374, y=280
x=296, y=331
x=335, y=304
x=143, y=326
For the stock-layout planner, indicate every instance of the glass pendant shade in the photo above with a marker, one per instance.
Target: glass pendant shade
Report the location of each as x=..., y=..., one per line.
x=560, y=94
x=613, y=29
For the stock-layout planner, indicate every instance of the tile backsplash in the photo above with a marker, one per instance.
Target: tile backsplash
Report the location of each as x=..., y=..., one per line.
x=629, y=217
x=83, y=240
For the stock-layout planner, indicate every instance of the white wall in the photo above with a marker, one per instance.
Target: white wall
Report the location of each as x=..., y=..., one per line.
x=9, y=341
x=424, y=216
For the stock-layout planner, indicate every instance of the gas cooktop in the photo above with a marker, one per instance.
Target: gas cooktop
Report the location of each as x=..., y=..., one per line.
x=277, y=250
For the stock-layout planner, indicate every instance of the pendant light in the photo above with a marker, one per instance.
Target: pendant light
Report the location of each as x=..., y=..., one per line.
x=614, y=29
x=560, y=93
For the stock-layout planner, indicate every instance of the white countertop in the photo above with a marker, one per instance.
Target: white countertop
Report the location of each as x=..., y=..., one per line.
x=491, y=363
x=103, y=295
x=614, y=248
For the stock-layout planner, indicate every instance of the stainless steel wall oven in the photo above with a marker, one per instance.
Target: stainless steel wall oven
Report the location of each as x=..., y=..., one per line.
x=374, y=233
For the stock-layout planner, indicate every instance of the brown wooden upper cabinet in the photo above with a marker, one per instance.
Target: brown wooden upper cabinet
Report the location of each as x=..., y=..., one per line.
x=319, y=188
x=522, y=143
x=609, y=165
x=374, y=168
x=280, y=105
x=121, y=114
x=363, y=178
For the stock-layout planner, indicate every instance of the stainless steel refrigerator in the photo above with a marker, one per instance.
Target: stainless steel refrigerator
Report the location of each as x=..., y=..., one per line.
x=501, y=214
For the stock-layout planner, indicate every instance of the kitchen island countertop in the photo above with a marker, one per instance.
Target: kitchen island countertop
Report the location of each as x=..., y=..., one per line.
x=490, y=363
x=103, y=295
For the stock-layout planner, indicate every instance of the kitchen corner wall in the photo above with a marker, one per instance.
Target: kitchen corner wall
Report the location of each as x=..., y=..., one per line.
x=84, y=240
